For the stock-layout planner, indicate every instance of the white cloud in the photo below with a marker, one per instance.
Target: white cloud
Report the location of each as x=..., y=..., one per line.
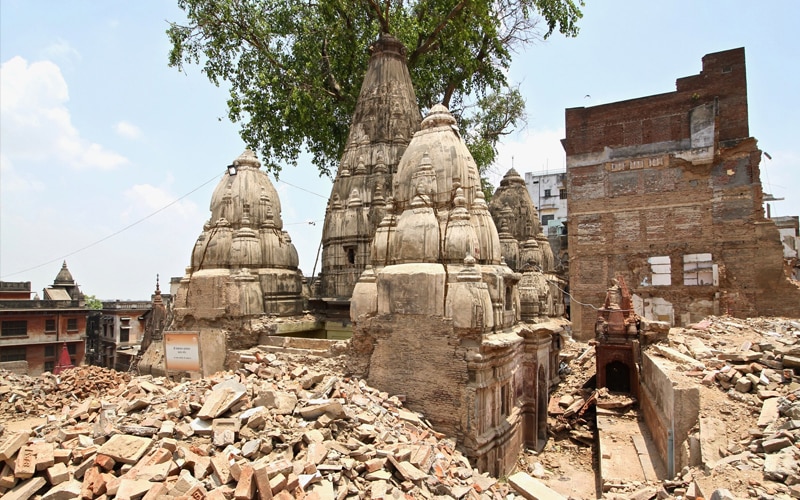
x=128, y=130
x=61, y=50
x=36, y=124
x=533, y=151
x=13, y=181
x=145, y=199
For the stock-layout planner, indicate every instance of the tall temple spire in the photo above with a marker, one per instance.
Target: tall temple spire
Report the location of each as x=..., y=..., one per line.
x=384, y=120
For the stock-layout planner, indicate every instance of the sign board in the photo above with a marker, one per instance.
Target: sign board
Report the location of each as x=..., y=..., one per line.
x=182, y=351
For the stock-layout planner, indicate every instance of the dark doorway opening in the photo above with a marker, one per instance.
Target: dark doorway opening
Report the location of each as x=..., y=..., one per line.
x=618, y=377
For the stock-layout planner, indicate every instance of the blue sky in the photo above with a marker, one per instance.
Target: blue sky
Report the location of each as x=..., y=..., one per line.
x=97, y=132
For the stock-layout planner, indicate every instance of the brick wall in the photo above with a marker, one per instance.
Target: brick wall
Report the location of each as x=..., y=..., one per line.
x=672, y=175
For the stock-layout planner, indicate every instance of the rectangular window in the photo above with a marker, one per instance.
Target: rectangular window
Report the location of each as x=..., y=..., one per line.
x=49, y=366
x=12, y=354
x=660, y=271
x=124, y=334
x=547, y=193
x=49, y=326
x=49, y=351
x=547, y=218
x=72, y=325
x=562, y=194
x=72, y=349
x=14, y=328
x=699, y=269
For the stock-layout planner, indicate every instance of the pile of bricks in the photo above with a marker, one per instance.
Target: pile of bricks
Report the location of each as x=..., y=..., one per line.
x=288, y=427
x=763, y=376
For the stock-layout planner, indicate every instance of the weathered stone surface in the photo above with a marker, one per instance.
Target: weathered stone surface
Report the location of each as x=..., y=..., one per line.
x=25, y=489
x=532, y=488
x=769, y=412
x=222, y=397
x=67, y=490
x=282, y=403
x=126, y=449
x=11, y=442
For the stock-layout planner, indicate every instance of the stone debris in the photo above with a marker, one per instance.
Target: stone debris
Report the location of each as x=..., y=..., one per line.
x=762, y=384
x=278, y=427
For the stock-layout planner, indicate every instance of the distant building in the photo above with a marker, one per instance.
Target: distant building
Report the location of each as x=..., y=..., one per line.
x=664, y=191
x=122, y=325
x=33, y=331
x=548, y=191
x=790, y=237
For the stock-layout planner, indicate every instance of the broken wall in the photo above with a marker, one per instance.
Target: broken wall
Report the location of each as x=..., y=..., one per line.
x=671, y=408
x=665, y=191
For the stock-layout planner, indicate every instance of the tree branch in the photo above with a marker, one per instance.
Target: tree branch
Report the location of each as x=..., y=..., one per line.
x=381, y=18
x=430, y=43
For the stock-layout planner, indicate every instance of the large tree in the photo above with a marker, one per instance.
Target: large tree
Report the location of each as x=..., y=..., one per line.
x=295, y=67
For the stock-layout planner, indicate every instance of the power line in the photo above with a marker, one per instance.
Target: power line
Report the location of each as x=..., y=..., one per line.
x=90, y=245
x=303, y=189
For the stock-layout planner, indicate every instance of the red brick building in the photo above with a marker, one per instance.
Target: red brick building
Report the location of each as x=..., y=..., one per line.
x=665, y=191
x=33, y=331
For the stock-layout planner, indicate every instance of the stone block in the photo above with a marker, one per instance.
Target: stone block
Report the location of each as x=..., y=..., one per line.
x=222, y=397
x=261, y=478
x=334, y=409
x=773, y=445
x=67, y=490
x=224, y=431
x=126, y=449
x=532, y=488
x=221, y=467
x=133, y=489
x=57, y=474
x=94, y=484
x=25, y=489
x=769, y=412
x=10, y=443
x=7, y=478
x=277, y=483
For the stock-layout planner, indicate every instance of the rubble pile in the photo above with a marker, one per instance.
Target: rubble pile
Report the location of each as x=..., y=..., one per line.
x=25, y=395
x=278, y=427
x=571, y=407
x=756, y=364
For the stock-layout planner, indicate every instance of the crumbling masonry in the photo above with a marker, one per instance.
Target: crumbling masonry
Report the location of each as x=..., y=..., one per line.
x=665, y=191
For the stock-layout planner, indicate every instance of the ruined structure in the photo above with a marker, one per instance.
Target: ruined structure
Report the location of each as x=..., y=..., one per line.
x=665, y=191
x=243, y=266
x=617, y=335
x=386, y=116
x=527, y=250
x=436, y=315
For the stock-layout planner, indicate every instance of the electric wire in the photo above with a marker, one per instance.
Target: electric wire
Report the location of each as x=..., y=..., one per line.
x=139, y=221
x=115, y=233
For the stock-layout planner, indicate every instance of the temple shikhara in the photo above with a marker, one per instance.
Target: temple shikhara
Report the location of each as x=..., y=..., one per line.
x=462, y=319
x=455, y=304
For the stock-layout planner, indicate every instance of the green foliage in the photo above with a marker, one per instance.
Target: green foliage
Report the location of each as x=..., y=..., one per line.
x=92, y=302
x=295, y=67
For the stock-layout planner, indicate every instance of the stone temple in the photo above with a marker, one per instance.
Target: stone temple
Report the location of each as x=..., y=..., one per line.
x=385, y=117
x=436, y=316
x=243, y=267
x=411, y=257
